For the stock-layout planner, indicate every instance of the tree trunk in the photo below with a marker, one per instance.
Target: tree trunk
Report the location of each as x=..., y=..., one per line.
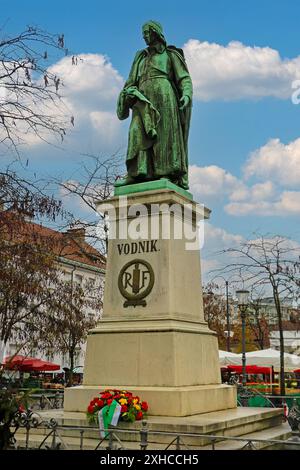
x=2, y=350
x=281, y=340
x=71, y=358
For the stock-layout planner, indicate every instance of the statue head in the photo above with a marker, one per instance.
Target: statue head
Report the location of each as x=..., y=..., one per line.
x=153, y=32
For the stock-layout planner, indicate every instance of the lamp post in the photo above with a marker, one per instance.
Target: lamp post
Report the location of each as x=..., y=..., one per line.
x=227, y=313
x=243, y=302
x=227, y=318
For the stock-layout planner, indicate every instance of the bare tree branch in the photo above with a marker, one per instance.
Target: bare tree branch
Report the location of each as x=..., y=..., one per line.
x=272, y=262
x=30, y=99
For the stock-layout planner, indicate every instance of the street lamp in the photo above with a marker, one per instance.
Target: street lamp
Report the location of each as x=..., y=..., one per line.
x=227, y=313
x=227, y=317
x=243, y=302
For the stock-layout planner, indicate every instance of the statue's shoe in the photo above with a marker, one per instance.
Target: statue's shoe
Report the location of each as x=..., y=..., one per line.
x=178, y=183
x=124, y=181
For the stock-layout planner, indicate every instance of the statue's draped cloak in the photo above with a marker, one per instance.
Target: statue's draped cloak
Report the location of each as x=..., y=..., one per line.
x=158, y=134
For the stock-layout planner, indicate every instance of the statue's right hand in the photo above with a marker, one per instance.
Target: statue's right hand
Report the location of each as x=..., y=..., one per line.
x=129, y=91
x=128, y=99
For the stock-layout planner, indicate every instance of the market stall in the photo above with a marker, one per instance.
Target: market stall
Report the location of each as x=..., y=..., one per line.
x=32, y=371
x=226, y=357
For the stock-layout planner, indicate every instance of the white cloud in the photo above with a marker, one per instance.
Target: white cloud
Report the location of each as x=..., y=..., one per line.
x=93, y=82
x=105, y=124
x=237, y=71
x=256, y=193
x=278, y=164
x=262, y=191
x=73, y=202
x=89, y=92
x=91, y=89
x=277, y=161
x=213, y=182
x=214, y=256
x=216, y=240
x=288, y=203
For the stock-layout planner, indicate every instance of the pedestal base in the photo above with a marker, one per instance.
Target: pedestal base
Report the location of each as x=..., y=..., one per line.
x=153, y=340
x=171, y=364
x=164, y=401
x=151, y=353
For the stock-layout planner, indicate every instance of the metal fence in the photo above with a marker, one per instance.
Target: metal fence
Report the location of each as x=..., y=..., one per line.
x=29, y=424
x=54, y=436
x=47, y=401
x=247, y=396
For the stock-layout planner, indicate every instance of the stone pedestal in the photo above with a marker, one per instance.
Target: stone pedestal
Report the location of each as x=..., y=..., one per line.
x=153, y=340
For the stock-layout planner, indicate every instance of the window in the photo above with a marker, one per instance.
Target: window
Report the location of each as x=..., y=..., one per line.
x=66, y=276
x=77, y=355
x=78, y=279
x=64, y=359
x=12, y=349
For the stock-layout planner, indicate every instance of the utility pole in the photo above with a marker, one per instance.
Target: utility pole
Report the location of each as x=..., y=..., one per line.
x=227, y=317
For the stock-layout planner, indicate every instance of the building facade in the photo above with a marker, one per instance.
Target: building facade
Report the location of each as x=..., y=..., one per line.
x=77, y=262
x=291, y=337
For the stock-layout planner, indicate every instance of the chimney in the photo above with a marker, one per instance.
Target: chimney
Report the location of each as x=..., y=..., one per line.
x=78, y=234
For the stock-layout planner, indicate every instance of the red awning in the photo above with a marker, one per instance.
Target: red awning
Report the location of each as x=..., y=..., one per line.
x=250, y=369
x=46, y=366
x=297, y=371
x=17, y=362
x=27, y=364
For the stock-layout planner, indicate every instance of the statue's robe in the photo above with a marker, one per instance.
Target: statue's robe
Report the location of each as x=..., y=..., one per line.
x=158, y=134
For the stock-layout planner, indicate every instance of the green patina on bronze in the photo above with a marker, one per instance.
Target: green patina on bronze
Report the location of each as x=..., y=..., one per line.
x=162, y=183
x=159, y=93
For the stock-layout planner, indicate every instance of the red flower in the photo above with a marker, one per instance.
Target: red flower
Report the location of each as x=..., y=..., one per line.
x=106, y=395
x=144, y=406
x=91, y=409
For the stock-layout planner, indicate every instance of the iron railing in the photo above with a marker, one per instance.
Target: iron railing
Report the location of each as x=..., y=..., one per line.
x=54, y=438
x=47, y=401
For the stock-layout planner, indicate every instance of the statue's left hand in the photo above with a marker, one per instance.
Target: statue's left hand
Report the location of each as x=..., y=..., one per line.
x=184, y=101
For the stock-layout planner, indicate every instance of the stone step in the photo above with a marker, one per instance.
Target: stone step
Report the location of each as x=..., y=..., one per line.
x=278, y=433
x=193, y=429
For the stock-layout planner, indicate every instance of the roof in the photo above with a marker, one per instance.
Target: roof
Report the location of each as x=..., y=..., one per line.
x=288, y=326
x=285, y=302
x=69, y=245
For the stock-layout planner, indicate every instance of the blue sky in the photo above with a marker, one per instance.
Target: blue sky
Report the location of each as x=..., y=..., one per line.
x=243, y=59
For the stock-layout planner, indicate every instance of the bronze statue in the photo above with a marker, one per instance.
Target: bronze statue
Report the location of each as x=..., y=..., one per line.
x=159, y=93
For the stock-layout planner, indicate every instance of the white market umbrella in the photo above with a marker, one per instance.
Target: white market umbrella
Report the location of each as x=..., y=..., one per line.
x=228, y=358
x=271, y=357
